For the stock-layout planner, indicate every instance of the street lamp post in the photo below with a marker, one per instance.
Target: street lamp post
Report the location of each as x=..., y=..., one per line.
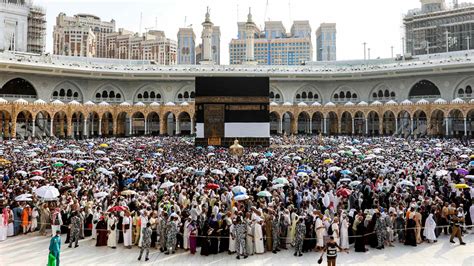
x=365, y=55
x=468, y=39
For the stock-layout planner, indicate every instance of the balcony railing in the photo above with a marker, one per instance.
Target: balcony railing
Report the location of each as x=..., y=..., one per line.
x=17, y=96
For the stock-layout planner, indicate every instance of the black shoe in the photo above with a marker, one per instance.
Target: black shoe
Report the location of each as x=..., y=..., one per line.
x=147, y=259
x=274, y=252
x=167, y=253
x=378, y=247
x=278, y=249
x=238, y=257
x=230, y=253
x=172, y=252
x=301, y=254
x=295, y=254
x=76, y=246
x=114, y=247
x=246, y=256
x=139, y=258
x=452, y=241
x=70, y=246
x=462, y=243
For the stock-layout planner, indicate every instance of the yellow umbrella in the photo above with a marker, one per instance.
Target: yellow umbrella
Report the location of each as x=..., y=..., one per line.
x=460, y=186
x=301, y=150
x=328, y=161
x=104, y=145
x=160, y=150
x=472, y=156
x=80, y=169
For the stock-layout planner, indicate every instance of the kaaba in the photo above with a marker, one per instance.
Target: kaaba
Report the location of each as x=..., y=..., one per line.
x=230, y=108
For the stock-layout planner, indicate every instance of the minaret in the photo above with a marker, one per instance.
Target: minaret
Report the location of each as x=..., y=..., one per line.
x=250, y=29
x=207, y=40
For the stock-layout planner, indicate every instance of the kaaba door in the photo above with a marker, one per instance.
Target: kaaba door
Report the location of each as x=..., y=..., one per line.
x=214, y=121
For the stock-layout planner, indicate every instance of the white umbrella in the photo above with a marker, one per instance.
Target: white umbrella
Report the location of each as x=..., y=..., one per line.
x=300, y=174
x=261, y=178
x=297, y=158
x=264, y=194
x=190, y=170
x=441, y=173
x=464, y=156
x=263, y=161
x=277, y=186
x=345, y=180
x=47, y=192
x=231, y=170
x=254, y=154
x=334, y=168
x=100, y=194
x=118, y=165
x=286, y=158
x=22, y=198
x=239, y=189
x=126, y=163
x=148, y=175
x=167, y=184
x=210, y=154
x=37, y=177
x=21, y=172
x=469, y=177
x=355, y=183
x=241, y=197
x=99, y=152
x=281, y=180
x=406, y=183
x=217, y=172
x=168, y=171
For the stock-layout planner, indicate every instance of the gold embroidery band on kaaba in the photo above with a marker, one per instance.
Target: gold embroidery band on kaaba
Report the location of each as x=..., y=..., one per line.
x=230, y=99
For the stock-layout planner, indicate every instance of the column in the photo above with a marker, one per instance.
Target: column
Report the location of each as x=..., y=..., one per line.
x=145, y=127
x=192, y=126
x=447, y=126
x=61, y=127
x=396, y=125
x=69, y=128
x=325, y=126
x=130, y=126
x=13, y=129
x=100, y=126
x=412, y=126
x=280, y=126
x=85, y=128
x=366, y=126
x=33, y=123
x=310, y=126
x=51, y=132
x=163, y=124
x=177, y=129
x=353, y=124
x=114, y=126
x=465, y=126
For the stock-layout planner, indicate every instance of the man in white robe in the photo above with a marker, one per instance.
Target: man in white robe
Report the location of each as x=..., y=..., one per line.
x=319, y=227
x=112, y=230
x=127, y=230
x=430, y=226
x=4, y=223
x=258, y=237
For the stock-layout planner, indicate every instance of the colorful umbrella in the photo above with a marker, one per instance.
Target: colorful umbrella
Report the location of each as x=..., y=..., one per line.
x=212, y=186
x=328, y=161
x=80, y=169
x=239, y=189
x=281, y=180
x=462, y=171
x=264, y=194
x=344, y=192
x=117, y=209
x=58, y=164
x=261, y=178
x=104, y=145
x=461, y=186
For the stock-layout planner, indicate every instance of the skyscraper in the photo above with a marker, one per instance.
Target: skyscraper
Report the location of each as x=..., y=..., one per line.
x=70, y=31
x=216, y=44
x=273, y=46
x=326, y=42
x=186, y=46
x=436, y=28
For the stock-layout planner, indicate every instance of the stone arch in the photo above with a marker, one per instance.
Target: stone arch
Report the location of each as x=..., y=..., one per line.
x=332, y=121
x=424, y=89
x=404, y=123
x=275, y=123
x=169, y=123
x=455, y=123
x=18, y=88
x=420, y=123
x=107, y=124
x=317, y=121
x=93, y=124
x=60, y=124
x=71, y=92
x=464, y=89
x=153, y=94
x=289, y=123
x=308, y=94
x=359, y=123
x=304, y=120
x=24, y=124
x=42, y=124
x=77, y=124
x=191, y=92
x=382, y=93
x=276, y=95
x=373, y=126
x=184, y=123
x=344, y=94
x=346, y=123
x=153, y=123
x=388, y=123
x=437, y=122
x=123, y=124
x=138, y=123
x=109, y=93
x=6, y=123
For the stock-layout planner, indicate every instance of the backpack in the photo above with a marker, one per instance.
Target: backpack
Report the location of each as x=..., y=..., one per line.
x=330, y=230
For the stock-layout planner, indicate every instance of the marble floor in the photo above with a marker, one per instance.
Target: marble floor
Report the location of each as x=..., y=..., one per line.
x=33, y=250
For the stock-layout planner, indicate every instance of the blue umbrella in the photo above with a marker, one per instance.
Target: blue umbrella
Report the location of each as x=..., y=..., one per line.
x=268, y=154
x=346, y=172
x=199, y=172
x=129, y=181
x=249, y=167
x=211, y=148
x=471, y=163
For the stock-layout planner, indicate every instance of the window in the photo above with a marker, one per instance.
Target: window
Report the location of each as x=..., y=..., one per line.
x=468, y=89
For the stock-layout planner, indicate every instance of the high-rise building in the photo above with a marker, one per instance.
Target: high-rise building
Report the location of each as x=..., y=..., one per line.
x=36, y=30
x=216, y=44
x=206, y=37
x=69, y=31
x=153, y=46
x=273, y=46
x=198, y=53
x=22, y=26
x=326, y=42
x=435, y=28
x=186, y=46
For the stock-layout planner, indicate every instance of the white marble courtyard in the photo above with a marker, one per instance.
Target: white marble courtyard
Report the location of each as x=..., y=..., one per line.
x=33, y=250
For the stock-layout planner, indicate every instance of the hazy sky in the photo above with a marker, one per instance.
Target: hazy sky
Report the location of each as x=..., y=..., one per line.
x=377, y=22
